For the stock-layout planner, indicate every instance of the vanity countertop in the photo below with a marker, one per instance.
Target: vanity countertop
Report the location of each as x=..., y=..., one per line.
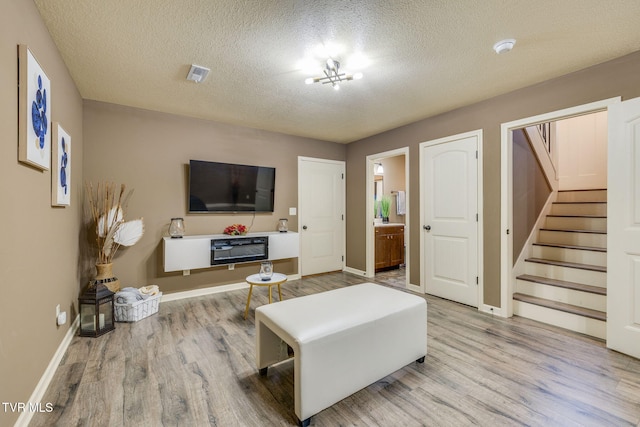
x=389, y=224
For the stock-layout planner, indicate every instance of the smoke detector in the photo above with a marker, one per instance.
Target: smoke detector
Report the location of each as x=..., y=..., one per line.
x=504, y=46
x=197, y=73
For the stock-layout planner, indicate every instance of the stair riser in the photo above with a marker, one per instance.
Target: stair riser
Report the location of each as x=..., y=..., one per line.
x=570, y=255
x=573, y=239
x=582, y=196
x=576, y=223
x=599, y=209
x=586, y=277
x=573, y=322
x=569, y=296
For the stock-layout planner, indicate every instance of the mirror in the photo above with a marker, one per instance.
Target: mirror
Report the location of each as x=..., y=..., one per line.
x=378, y=190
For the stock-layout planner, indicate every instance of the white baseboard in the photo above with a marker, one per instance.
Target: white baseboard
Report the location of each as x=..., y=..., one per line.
x=38, y=393
x=489, y=309
x=201, y=292
x=212, y=290
x=356, y=272
x=415, y=288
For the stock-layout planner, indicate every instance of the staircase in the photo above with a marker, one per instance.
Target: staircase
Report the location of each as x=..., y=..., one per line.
x=565, y=278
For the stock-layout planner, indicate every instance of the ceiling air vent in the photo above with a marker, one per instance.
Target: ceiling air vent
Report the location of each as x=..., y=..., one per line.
x=197, y=73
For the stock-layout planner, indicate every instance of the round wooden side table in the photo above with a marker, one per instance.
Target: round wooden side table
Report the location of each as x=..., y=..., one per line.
x=254, y=280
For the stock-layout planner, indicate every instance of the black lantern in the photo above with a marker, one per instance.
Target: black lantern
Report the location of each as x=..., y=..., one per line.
x=96, y=311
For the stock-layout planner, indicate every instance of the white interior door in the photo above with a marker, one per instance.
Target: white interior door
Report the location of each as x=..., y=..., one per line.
x=321, y=195
x=450, y=227
x=623, y=229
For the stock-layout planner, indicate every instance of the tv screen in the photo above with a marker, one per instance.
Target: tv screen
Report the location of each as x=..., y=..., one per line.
x=225, y=187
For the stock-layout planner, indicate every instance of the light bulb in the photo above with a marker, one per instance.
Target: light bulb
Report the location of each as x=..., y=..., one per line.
x=357, y=76
x=308, y=81
x=336, y=86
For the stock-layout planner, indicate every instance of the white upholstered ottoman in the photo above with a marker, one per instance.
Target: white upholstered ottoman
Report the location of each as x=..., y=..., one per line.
x=343, y=340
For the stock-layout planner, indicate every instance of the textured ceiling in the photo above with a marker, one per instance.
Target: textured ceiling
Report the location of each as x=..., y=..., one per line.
x=419, y=58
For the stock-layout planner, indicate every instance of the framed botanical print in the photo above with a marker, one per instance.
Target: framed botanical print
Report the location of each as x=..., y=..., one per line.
x=34, y=115
x=60, y=167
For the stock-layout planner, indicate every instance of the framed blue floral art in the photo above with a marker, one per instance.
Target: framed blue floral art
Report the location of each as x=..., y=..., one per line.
x=60, y=167
x=34, y=115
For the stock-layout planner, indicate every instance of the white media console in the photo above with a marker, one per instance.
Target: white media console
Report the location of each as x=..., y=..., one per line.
x=192, y=252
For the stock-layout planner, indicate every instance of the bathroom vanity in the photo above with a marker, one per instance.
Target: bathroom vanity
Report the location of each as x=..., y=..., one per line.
x=389, y=246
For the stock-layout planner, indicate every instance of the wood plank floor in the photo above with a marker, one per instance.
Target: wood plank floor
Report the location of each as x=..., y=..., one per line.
x=193, y=364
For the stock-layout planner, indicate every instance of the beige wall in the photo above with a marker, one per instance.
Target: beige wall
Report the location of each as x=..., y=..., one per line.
x=530, y=190
x=619, y=77
x=150, y=153
x=39, y=254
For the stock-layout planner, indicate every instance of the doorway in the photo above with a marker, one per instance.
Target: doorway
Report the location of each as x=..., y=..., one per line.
x=388, y=177
x=507, y=275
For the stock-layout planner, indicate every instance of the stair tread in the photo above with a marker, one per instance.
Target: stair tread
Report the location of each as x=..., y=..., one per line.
x=578, y=216
x=582, y=248
x=583, y=202
x=574, y=231
x=564, y=284
x=561, y=306
x=590, y=267
x=582, y=189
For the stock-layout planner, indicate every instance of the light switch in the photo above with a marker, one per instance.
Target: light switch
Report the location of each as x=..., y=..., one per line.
x=293, y=211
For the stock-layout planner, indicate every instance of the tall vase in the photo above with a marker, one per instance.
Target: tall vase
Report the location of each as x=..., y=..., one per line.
x=105, y=276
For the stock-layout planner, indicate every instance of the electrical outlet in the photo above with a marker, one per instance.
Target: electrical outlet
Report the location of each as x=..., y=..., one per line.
x=232, y=266
x=62, y=318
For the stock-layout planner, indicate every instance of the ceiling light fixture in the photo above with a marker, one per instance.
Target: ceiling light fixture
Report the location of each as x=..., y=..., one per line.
x=333, y=75
x=504, y=46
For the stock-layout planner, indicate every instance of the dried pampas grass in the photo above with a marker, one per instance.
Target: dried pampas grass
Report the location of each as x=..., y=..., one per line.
x=108, y=209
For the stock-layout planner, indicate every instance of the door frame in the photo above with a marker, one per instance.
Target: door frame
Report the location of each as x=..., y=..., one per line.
x=507, y=276
x=480, y=195
x=343, y=202
x=369, y=229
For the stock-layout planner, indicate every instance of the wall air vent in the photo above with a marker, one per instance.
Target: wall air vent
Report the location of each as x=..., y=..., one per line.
x=197, y=73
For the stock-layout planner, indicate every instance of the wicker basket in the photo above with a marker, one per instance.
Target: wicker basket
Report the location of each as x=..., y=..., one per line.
x=138, y=310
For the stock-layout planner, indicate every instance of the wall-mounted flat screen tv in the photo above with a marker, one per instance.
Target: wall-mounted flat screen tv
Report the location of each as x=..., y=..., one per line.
x=225, y=187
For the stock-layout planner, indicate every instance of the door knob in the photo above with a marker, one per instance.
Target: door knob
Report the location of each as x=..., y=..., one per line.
x=304, y=227
x=427, y=227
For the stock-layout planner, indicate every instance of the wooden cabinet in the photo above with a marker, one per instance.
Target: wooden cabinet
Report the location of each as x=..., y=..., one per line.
x=389, y=246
